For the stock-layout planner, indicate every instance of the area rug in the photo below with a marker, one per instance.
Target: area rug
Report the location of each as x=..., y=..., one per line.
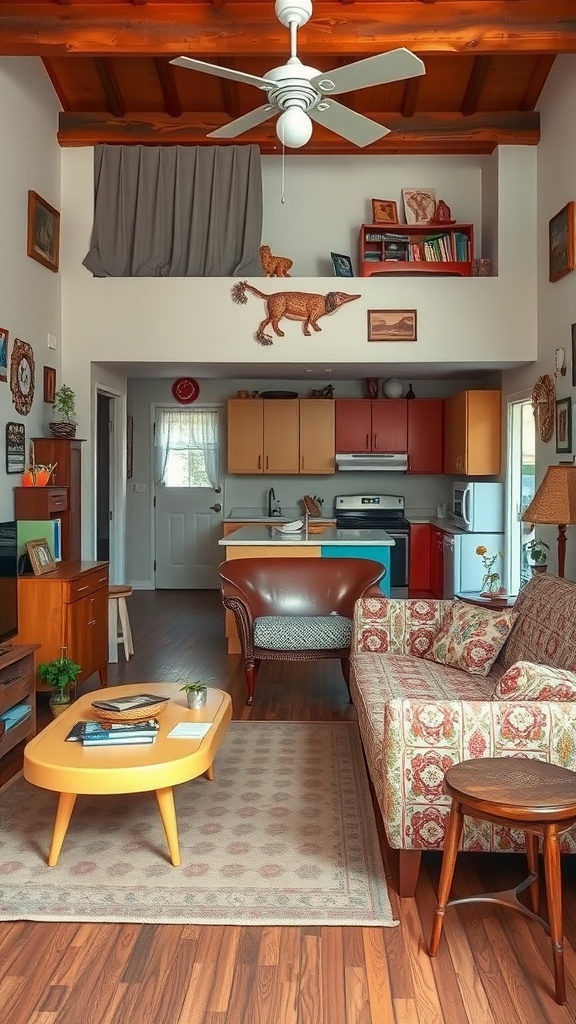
x=284, y=835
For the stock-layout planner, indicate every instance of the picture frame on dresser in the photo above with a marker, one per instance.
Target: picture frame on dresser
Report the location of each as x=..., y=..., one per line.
x=40, y=556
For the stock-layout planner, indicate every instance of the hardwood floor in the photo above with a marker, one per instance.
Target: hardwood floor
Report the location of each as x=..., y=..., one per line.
x=493, y=967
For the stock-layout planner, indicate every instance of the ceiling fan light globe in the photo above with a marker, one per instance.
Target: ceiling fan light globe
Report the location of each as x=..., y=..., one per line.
x=294, y=128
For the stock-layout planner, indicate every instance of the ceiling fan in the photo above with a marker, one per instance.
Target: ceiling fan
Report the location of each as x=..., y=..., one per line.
x=297, y=92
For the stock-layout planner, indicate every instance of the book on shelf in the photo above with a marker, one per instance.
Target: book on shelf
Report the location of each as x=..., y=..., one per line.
x=130, y=703
x=116, y=732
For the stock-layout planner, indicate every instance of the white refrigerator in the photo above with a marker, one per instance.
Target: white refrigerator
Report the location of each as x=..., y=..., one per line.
x=463, y=569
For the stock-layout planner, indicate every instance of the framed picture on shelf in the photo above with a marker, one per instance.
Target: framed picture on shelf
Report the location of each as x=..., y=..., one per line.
x=561, y=243
x=384, y=211
x=573, y=329
x=40, y=556
x=391, y=325
x=43, y=232
x=419, y=205
x=342, y=265
x=564, y=425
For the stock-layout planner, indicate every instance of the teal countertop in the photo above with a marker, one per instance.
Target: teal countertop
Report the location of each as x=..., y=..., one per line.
x=265, y=536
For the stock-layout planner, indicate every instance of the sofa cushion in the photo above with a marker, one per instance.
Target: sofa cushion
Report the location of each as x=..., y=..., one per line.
x=545, y=632
x=390, y=626
x=470, y=637
x=302, y=632
x=528, y=681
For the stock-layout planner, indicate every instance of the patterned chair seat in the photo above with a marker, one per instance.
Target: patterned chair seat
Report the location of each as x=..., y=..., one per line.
x=302, y=632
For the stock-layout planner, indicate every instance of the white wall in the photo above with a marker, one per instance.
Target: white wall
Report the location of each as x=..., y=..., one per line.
x=556, y=177
x=30, y=293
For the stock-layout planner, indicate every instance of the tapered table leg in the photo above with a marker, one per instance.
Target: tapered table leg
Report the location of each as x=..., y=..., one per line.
x=165, y=798
x=554, y=894
x=63, y=814
x=451, y=844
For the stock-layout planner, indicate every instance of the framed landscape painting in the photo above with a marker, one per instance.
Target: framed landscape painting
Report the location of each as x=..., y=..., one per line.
x=43, y=242
x=561, y=243
x=391, y=325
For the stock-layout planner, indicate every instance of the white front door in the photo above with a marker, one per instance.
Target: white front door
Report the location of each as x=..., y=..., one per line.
x=188, y=519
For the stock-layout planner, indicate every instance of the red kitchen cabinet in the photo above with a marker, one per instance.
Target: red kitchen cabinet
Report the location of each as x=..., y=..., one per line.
x=419, y=574
x=363, y=425
x=437, y=561
x=426, y=435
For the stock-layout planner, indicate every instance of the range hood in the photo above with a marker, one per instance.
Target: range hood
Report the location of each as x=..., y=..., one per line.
x=380, y=462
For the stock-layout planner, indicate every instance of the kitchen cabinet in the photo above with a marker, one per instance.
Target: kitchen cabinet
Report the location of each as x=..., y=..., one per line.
x=437, y=562
x=371, y=425
x=17, y=687
x=420, y=551
x=67, y=607
x=67, y=454
x=280, y=436
x=425, y=435
x=473, y=433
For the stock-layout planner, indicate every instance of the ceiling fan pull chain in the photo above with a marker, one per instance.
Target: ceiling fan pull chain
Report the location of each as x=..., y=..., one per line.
x=283, y=196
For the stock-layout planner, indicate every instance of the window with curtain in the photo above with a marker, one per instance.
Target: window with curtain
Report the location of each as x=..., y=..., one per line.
x=186, y=447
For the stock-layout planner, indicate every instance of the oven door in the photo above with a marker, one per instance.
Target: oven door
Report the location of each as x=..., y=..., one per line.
x=399, y=556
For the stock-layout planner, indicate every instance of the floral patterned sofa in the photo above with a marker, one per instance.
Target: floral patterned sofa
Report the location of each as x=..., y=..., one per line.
x=418, y=717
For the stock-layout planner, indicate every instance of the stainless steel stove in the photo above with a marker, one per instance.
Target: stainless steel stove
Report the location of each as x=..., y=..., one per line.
x=380, y=512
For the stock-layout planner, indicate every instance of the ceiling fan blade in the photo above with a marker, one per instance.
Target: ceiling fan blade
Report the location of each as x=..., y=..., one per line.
x=379, y=70
x=348, y=123
x=244, y=123
x=215, y=69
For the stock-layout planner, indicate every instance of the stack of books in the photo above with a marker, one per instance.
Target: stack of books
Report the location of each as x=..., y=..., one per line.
x=100, y=734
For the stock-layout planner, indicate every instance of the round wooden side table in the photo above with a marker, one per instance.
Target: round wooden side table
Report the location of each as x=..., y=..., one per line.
x=502, y=601
x=522, y=793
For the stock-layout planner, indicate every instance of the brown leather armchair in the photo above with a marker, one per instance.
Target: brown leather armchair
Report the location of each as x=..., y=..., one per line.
x=296, y=609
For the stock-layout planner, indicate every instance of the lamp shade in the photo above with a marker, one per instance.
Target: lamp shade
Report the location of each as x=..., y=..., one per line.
x=555, y=499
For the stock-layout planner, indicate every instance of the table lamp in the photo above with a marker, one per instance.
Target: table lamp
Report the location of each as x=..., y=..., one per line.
x=555, y=504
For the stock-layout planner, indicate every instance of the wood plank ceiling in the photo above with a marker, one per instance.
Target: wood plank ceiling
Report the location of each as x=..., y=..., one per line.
x=108, y=61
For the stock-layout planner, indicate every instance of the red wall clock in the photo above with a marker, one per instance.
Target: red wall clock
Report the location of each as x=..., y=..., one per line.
x=185, y=390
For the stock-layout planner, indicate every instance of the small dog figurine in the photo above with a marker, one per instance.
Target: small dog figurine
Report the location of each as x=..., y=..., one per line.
x=274, y=266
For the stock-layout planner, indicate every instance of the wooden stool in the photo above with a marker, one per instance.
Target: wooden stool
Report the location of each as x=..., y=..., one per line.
x=522, y=793
x=118, y=613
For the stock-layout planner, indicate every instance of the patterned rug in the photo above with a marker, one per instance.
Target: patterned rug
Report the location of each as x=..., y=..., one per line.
x=284, y=835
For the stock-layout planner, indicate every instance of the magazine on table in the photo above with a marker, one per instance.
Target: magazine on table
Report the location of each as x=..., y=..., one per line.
x=117, y=741
x=130, y=703
x=116, y=731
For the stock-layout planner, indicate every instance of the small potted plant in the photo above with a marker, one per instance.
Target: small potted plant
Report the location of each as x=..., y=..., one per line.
x=60, y=674
x=64, y=422
x=196, y=693
x=536, y=553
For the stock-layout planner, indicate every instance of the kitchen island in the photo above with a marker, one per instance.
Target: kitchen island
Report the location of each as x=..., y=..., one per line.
x=318, y=541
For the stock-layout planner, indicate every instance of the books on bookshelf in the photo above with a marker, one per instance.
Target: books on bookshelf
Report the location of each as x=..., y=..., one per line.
x=91, y=734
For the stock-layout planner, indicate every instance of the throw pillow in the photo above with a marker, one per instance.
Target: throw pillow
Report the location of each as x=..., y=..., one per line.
x=470, y=637
x=527, y=681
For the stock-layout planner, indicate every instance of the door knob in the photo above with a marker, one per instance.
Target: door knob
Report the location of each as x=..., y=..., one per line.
x=217, y=507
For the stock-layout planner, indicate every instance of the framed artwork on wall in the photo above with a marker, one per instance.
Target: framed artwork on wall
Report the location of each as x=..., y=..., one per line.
x=564, y=425
x=3, y=353
x=391, y=325
x=561, y=243
x=573, y=329
x=49, y=384
x=43, y=232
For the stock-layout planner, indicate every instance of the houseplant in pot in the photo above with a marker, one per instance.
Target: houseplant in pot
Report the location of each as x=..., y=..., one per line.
x=60, y=674
x=63, y=423
x=537, y=554
x=196, y=693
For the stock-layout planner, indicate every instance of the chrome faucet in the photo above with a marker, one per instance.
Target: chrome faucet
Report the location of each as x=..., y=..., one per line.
x=271, y=499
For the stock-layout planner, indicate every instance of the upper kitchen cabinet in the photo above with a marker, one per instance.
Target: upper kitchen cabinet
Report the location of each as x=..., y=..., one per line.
x=473, y=433
x=317, y=419
x=366, y=425
x=280, y=436
x=425, y=435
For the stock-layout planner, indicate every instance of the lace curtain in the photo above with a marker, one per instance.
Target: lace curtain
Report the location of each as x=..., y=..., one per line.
x=186, y=430
x=176, y=211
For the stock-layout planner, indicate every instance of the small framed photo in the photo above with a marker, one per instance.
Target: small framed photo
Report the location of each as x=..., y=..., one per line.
x=3, y=353
x=561, y=243
x=342, y=265
x=384, y=211
x=564, y=425
x=43, y=232
x=391, y=325
x=15, y=448
x=49, y=384
x=40, y=557
x=573, y=329
x=419, y=205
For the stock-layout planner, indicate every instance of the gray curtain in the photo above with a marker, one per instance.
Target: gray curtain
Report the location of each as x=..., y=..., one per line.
x=176, y=211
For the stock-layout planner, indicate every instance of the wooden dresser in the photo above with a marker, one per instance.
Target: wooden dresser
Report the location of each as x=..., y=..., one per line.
x=17, y=687
x=67, y=607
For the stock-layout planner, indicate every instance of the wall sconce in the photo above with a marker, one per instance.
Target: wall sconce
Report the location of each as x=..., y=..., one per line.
x=560, y=362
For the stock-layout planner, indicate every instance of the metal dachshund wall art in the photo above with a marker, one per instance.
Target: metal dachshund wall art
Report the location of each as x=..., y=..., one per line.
x=303, y=306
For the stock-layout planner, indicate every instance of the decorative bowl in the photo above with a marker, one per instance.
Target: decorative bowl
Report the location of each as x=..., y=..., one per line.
x=134, y=715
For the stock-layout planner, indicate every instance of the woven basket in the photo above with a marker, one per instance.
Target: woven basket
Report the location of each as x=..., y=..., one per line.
x=134, y=715
x=62, y=428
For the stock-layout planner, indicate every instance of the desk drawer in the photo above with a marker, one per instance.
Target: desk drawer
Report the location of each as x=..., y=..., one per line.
x=88, y=583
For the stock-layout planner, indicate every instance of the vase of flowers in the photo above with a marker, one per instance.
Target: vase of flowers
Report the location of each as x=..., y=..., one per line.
x=490, y=586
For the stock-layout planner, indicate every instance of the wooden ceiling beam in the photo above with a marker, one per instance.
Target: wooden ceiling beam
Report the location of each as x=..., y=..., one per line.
x=110, y=87
x=361, y=29
x=536, y=84
x=480, y=69
x=433, y=133
x=165, y=73
x=410, y=97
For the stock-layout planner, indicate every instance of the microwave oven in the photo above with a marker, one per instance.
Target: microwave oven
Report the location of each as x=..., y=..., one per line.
x=477, y=506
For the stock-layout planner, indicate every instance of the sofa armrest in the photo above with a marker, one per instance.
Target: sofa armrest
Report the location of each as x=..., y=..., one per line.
x=421, y=740
x=393, y=626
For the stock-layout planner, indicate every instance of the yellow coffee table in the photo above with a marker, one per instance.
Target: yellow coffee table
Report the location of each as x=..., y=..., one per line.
x=71, y=769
